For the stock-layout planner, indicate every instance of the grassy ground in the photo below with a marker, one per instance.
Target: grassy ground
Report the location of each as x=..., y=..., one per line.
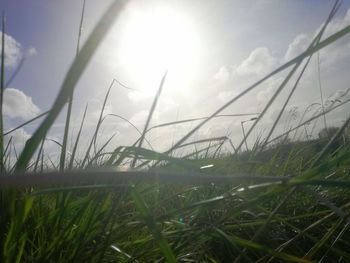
x=282, y=202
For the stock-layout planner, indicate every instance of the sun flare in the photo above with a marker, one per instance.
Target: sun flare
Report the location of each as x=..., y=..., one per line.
x=157, y=40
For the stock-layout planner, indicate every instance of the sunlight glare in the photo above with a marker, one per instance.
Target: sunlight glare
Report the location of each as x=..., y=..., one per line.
x=157, y=40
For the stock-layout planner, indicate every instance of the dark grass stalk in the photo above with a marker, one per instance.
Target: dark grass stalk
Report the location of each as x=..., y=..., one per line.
x=27, y=122
x=39, y=155
x=256, y=246
x=115, y=177
x=320, y=89
x=263, y=227
x=314, y=43
x=339, y=236
x=307, y=121
x=71, y=79
x=331, y=141
x=98, y=153
x=207, y=152
x=285, y=104
x=202, y=150
x=7, y=154
x=150, y=114
x=217, y=150
x=222, y=138
x=2, y=88
x=297, y=59
x=134, y=126
x=15, y=73
x=308, y=109
x=308, y=228
x=201, y=118
x=98, y=126
x=75, y=147
x=153, y=228
x=70, y=99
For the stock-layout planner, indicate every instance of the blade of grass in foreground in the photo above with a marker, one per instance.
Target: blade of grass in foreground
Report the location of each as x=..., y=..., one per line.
x=98, y=125
x=306, y=122
x=71, y=79
x=153, y=228
x=316, y=48
x=153, y=107
x=2, y=87
x=70, y=166
x=70, y=101
x=25, y=123
x=314, y=42
x=256, y=246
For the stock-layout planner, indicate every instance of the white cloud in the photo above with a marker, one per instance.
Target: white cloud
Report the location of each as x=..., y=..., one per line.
x=298, y=46
x=31, y=52
x=338, y=24
x=13, y=51
x=19, y=138
x=137, y=96
x=223, y=75
x=19, y=105
x=139, y=118
x=331, y=54
x=260, y=61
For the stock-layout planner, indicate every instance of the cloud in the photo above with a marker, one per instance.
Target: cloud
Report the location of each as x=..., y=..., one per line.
x=298, y=46
x=223, y=75
x=332, y=53
x=19, y=105
x=259, y=62
x=137, y=96
x=139, y=118
x=19, y=138
x=31, y=52
x=337, y=24
x=13, y=51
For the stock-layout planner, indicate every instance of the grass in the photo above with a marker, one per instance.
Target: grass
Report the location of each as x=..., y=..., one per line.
x=285, y=200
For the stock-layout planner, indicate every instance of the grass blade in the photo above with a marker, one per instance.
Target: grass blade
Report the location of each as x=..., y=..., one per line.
x=153, y=228
x=150, y=114
x=71, y=79
x=75, y=147
x=2, y=88
x=70, y=100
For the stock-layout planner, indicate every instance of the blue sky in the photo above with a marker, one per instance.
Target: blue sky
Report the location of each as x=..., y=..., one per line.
x=225, y=46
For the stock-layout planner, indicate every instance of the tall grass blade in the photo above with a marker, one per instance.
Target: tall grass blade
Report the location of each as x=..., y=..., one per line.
x=15, y=73
x=70, y=100
x=71, y=79
x=98, y=125
x=27, y=122
x=297, y=59
x=150, y=114
x=2, y=88
x=133, y=125
x=153, y=228
x=285, y=81
x=75, y=147
x=331, y=141
x=306, y=122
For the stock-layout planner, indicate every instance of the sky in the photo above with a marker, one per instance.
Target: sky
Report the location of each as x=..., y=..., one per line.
x=212, y=50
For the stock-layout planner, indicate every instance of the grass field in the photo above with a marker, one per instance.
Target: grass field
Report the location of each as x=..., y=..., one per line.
x=285, y=200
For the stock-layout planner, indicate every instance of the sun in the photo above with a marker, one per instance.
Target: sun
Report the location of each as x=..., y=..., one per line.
x=157, y=40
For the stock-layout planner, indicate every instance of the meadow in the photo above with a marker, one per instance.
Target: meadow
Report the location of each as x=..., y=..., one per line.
x=285, y=200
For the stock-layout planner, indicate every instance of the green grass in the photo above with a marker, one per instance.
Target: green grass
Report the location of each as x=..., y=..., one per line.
x=284, y=201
